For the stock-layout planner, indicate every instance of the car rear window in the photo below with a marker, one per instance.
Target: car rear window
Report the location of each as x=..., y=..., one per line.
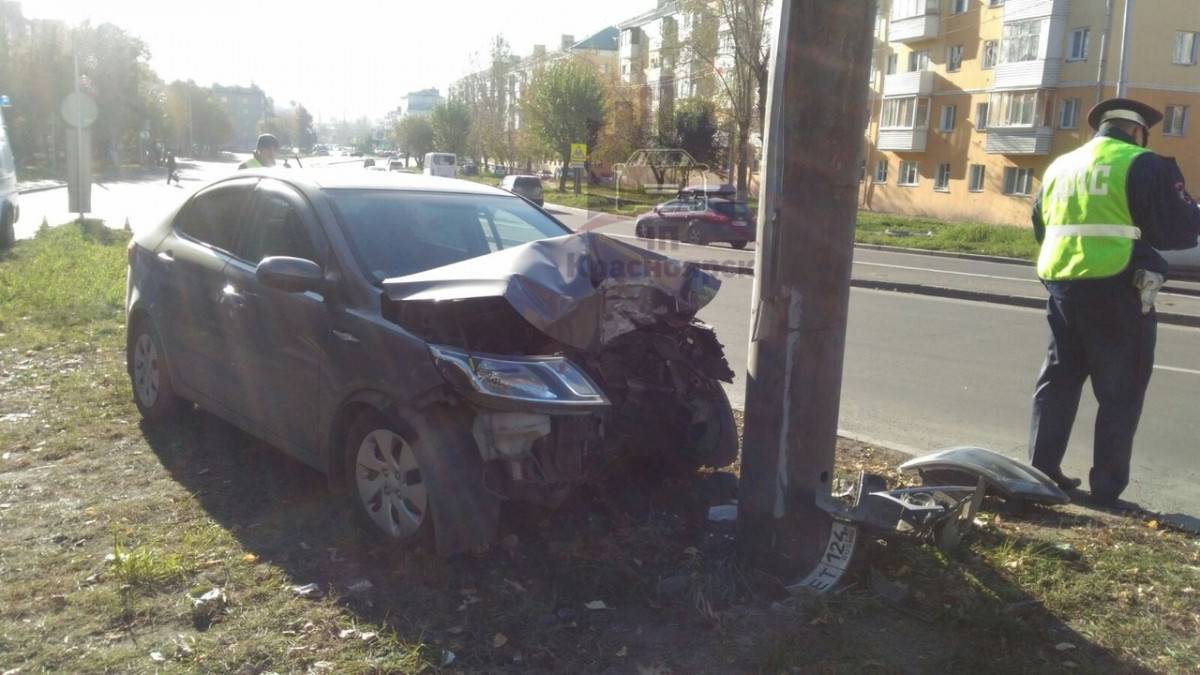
x=734, y=210
x=527, y=183
x=395, y=233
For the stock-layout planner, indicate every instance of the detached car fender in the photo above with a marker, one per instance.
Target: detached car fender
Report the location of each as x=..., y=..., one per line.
x=1006, y=476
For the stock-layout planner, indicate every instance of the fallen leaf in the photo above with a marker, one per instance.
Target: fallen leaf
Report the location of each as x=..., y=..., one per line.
x=1152, y=524
x=596, y=604
x=499, y=640
x=250, y=558
x=1064, y=646
x=348, y=632
x=157, y=657
x=368, y=637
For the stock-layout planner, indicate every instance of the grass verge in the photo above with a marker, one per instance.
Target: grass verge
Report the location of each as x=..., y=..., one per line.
x=112, y=535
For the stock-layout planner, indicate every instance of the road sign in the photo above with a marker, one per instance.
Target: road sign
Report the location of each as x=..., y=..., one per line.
x=578, y=155
x=78, y=109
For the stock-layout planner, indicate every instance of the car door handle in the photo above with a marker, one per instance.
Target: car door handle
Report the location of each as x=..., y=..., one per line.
x=231, y=299
x=166, y=256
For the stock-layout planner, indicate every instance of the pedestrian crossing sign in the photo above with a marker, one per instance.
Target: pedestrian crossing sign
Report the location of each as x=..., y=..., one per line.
x=578, y=155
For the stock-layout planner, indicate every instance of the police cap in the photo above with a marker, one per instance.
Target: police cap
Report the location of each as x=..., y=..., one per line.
x=1124, y=109
x=268, y=141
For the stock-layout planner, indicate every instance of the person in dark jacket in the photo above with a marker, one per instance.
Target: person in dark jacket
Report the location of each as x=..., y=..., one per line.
x=171, y=166
x=1104, y=211
x=264, y=153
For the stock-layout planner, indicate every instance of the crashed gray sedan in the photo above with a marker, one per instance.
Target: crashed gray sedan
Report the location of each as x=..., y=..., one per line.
x=435, y=347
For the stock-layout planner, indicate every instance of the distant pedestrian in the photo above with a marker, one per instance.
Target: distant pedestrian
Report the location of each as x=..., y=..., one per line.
x=1103, y=210
x=171, y=166
x=264, y=153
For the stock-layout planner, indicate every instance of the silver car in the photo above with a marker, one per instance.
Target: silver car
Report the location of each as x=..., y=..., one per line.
x=529, y=187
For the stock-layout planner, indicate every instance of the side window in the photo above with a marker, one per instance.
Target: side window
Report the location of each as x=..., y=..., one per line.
x=214, y=216
x=275, y=228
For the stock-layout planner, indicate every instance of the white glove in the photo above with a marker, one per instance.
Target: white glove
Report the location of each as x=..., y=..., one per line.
x=1148, y=283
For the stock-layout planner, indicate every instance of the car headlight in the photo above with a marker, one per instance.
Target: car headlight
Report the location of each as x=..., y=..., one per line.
x=550, y=380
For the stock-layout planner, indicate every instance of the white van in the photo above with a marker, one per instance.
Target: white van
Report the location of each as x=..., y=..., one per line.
x=9, y=211
x=440, y=164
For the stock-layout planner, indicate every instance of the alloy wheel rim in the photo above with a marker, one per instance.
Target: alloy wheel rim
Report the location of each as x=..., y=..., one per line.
x=390, y=485
x=146, y=374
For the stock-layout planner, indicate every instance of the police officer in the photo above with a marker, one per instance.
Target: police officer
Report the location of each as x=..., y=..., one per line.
x=264, y=155
x=1103, y=210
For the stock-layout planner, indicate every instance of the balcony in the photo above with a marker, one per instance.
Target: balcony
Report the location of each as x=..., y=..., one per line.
x=1019, y=10
x=914, y=28
x=1019, y=140
x=903, y=140
x=916, y=83
x=1036, y=74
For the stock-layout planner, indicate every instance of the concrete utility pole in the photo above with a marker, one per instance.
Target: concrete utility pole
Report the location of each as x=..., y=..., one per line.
x=1123, y=73
x=820, y=63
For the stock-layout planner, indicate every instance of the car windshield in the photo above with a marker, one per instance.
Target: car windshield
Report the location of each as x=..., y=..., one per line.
x=395, y=233
x=735, y=210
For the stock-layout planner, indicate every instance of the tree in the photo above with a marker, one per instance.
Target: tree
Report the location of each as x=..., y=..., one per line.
x=696, y=129
x=306, y=136
x=566, y=105
x=281, y=127
x=732, y=43
x=451, y=123
x=196, y=120
x=414, y=136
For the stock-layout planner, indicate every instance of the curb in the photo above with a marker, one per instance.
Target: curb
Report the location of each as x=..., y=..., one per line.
x=1029, y=302
x=977, y=257
x=41, y=188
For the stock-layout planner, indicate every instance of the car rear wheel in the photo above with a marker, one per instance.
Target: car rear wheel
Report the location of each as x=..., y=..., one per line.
x=641, y=231
x=390, y=495
x=695, y=234
x=7, y=231
x=739, y=245
x=148, y=373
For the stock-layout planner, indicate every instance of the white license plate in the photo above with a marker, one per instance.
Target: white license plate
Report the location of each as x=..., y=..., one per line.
x=739, y=223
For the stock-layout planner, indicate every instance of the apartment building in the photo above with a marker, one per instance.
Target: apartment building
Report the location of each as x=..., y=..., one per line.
x=974, y=98
x=246, y=107
x=658, y=53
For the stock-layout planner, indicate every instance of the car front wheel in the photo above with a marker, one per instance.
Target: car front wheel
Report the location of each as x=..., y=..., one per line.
x=147, y=363
x=695, y=234
x=388, y=488
x=7, y=229
x=739, y=245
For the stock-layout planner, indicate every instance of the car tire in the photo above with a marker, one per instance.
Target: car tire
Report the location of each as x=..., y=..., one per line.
x=694, y=234
x=387, y=489
x=149, y=375
x=639, y=231
x=739, y=245
x=7, y=231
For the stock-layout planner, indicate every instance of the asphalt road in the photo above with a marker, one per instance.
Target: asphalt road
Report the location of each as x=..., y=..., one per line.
x=924, y=373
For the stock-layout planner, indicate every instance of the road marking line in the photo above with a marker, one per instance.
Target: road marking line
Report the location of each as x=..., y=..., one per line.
x=1173, y=369
x=929, y=269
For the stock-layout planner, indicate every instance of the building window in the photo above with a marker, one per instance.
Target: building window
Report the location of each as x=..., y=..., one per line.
x=908, y=173
x=981, y=116
x=1068, y=117
x=942, y=184
x=946, y=122
x=918, y=61
x=958, y=6
x=954, y=55
x=904, y=113
x=891, y=63
x=1079, y=45
x=1175, y=120
x=1028, y=108
x=991, y=49
x=1018, y=181
x=881, y=171
x=1185, y=48
x=1021, y=41
x=976, y=182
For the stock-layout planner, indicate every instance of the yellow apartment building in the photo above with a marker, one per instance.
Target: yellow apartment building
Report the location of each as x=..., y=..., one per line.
x=974, y=98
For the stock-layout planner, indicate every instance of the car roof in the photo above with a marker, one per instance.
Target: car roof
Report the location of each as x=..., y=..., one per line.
x=353, y=179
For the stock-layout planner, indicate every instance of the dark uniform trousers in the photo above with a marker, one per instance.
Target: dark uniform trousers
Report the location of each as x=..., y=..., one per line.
x=1109, y=339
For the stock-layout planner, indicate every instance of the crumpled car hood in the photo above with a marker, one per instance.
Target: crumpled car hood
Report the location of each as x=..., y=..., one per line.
x=582, y=290
x=1007, y=476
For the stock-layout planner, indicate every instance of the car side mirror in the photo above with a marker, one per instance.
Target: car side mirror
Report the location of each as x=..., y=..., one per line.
x=290, y=275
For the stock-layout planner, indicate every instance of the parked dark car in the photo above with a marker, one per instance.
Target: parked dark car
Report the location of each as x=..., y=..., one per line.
x=699, y=221
x=393, y=331
x=529, y=187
